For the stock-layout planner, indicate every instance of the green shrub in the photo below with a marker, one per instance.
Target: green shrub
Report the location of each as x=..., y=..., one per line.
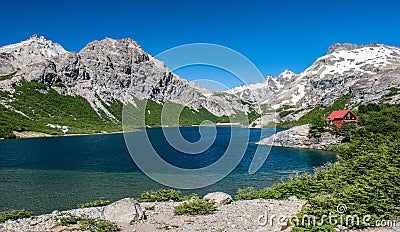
x=161, y=195
x=192, y=196
x=67, y=219
x=96, y=203
x=285, y=113
x=318, y=113
x=166, y=195
x=195, y=207
x=93, y=225
x=364, y=179
x=14, y=215
x=8, y=76
x=97, y=225
x=60, y=84
x=149, y=207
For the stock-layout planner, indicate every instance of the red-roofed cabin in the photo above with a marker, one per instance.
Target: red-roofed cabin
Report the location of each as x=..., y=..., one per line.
x=338, y=117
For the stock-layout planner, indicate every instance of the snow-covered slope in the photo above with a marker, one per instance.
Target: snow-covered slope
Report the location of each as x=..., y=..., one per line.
x=263, y=90
x=33, y=50
x=40, y=45
x=347, y=68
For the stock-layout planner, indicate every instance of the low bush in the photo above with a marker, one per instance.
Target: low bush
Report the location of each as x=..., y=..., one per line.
x=166, y=195
x=96, y=203
x=67, y=219
x=161, y=195
x=90, y=224
x=149, y=207
x=192, y=196
x=97, y=225
x=8, y=76
x=195, y=207
x=365, y=178
x=14, y=215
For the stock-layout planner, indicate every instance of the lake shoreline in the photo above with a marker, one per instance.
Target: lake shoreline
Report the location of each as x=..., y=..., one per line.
x=36, y=134
x=160, y=216
x=91, y=167
x=242, y=215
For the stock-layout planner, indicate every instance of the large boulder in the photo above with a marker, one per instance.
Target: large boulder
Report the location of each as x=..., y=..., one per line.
x=219, y=198
x=297, y=137
x=125, y=210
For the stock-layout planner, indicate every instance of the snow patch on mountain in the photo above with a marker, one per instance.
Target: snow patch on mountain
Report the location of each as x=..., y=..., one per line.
x=331, y=76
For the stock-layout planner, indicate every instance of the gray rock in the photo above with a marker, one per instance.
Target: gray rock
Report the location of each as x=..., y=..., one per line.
x=296, y=137
x=105, y=71
x=219, y=198
x=341, y=47
x=366, y=72
x=125, y=210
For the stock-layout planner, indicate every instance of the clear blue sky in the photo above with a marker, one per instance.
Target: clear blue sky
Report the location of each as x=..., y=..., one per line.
x=275, y=35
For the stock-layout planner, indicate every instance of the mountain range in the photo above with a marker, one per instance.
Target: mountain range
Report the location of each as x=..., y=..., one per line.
x=45, y=88
x=368, y=73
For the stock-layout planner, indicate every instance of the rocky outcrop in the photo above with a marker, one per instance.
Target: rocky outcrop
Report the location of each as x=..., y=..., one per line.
x=219, y=198
x=367, y=72
x=104, y=71
x=378, y=87
x=125, y=210
x=341, y=47
x=297, y=137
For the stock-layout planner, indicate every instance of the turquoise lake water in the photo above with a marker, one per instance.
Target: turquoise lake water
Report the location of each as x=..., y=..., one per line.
x=46, y=174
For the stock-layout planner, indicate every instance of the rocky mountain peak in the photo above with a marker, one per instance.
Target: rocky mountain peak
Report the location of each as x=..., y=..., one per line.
x=341, y=47
x=109, y=43
x=33, y=50
x=367, y=72
x=286, y=75
x=36, y=45
x=104, y=71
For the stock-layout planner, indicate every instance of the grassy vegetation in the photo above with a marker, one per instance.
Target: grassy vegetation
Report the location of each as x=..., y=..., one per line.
x=161, y=195
x=365, y=178
x=149, y=207
x=8, y=76
x=60, y=84
x=287, y=112
x=14, y=215
x=97, y=225
x=96, y=203
x=195, y=207
x=49, y=108
x=252, y=114
x=87, y=224
x=393, y=91
x=67, y=219
x=44, y=106
x=166, y=195
x=317, y=114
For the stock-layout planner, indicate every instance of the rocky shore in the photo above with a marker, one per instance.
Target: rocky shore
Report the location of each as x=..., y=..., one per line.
x=34, y=134
x=250, y=215
x=297, y=137
x=129, y=215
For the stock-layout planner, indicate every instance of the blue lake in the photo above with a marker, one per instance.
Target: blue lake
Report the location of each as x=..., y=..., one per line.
x=58, y=173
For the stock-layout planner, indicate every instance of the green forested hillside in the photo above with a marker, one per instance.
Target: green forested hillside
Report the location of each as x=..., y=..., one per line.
x=44, y=106
x=365, y=179
x=316, y=114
